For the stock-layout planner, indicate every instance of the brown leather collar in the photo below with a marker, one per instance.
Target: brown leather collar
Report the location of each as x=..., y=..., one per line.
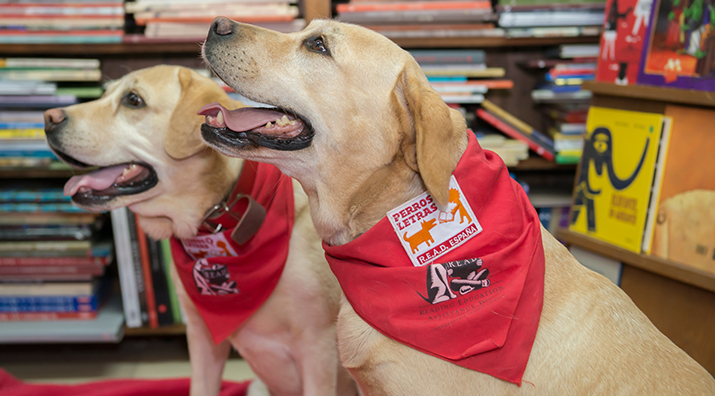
x=224, y=215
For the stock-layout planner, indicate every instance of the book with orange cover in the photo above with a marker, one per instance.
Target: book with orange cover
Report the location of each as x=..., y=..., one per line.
x=146, y=272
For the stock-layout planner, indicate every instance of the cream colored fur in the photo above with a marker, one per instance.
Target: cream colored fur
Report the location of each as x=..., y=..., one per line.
x=290, y=341
x=382, y=136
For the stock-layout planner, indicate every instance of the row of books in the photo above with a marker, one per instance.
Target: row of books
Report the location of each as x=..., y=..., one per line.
x=53, y=258
x=551, y=18
x=148, y=294
x=645, y=183
x=190, y=20
x=661, y=43
x=86, y=21
x=29, y=86
x=422, y=18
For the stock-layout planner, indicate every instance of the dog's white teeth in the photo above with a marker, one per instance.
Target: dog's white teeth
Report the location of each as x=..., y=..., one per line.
x=269, y=125
x=292, y=122
x=219, y=117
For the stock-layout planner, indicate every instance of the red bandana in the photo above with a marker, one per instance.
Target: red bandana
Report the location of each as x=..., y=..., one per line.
x=226, y=281
x=453, y=284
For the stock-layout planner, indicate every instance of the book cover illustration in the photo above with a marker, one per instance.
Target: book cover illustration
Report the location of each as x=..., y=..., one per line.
x=680, y=45
x=624, y=30
x=684, y=210
x=613, y=185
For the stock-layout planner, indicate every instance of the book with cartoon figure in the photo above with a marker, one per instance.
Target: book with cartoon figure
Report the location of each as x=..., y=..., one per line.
x=681, y=221
x=622, y=37
x=679, y=49
x=614, y=182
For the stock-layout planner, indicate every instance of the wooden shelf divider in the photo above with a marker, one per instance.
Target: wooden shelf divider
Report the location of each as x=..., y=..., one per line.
x=680, y=272
x=656, y=94
x=175, y=329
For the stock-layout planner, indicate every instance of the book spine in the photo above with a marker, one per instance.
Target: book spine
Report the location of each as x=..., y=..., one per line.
x=52, y=261
x=511, y=132
x=518, y=124
x=168, y=262
x=161, y=289
x=22, y=316
x=146, y=272
x=410, y=6
x=49, y=306
x=449, y=56
x=125, y=267
x=52, y=270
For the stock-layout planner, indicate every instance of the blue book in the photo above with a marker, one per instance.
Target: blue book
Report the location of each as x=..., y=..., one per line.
x=33, y=195
x=21, y=125
x=79, y=303
x=447, y=79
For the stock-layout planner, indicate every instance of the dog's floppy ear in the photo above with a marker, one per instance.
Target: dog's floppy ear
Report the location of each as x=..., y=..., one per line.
x=430, y=145
x=183, y=137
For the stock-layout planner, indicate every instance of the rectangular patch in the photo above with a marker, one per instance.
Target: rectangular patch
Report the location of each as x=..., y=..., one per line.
x=426, y=232
x=206, y=246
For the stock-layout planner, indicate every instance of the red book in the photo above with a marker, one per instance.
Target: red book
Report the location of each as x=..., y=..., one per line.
x=17, y=316
x=414, y=6
x=513, y=133
x=146, y=271
x=54, y=261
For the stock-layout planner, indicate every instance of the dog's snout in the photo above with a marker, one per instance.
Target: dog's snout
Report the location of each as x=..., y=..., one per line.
x=222, y=26
x=53, y=118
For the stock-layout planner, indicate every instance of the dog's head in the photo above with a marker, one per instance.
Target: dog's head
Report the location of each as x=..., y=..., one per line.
x=143, y=134
x=362, y=121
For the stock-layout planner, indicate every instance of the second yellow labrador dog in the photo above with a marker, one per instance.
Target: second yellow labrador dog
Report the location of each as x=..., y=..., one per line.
x=144, y=135
x=367, y=135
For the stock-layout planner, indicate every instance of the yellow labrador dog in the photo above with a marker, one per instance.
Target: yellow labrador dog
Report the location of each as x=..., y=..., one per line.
x=144, y=134
x=372, y=135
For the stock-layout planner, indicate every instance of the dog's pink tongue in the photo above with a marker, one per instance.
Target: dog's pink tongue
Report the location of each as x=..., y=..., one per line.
x=243, y=119
x=98, y=180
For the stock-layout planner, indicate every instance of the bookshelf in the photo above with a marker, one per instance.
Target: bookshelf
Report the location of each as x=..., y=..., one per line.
x=679, y=299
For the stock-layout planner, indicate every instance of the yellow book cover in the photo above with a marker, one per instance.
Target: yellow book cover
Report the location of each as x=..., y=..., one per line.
x=615, y=178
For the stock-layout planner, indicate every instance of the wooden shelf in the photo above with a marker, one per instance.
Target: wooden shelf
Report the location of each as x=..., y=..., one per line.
x=680, y=272
x=656, y=94
x=193, y=46
x=485, y=42
x=175, y=329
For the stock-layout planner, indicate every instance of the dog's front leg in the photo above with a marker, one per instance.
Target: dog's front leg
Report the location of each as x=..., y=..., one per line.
x=207, y=360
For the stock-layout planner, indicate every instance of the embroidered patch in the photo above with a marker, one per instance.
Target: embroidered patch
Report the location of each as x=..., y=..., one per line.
x=205, y=246
x=213, y=279
x=426, y=232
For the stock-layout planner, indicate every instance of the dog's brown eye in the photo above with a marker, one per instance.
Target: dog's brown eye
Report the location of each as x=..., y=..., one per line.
x=317, y=44
x=131, y=99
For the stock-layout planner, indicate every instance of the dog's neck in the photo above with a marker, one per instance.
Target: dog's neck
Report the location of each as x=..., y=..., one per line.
x=210, y=183
x=340, y=218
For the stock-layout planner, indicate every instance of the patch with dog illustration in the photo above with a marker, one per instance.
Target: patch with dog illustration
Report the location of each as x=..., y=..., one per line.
x=426, y=232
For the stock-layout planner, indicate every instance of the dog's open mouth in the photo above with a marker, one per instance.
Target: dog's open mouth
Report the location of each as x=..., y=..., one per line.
x=267, y=127
x=108, y=182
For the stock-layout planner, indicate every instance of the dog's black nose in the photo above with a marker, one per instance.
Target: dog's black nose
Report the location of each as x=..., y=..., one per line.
x=222, y=26
x=53, y=119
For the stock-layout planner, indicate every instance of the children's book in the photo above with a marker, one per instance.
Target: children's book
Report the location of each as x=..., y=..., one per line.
x=622, y=37
x=679, y=47
x=615, y=177
x=681, y=221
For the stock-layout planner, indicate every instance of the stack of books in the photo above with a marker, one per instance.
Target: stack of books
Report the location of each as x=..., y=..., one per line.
x=461, y=76
x=422, y=18
x=188, y=20
x=61, y=21
x=28, y=87
x=551, y=18
x=52, y=256
x=511, y=126
x=560, y=96
x=148, y=294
